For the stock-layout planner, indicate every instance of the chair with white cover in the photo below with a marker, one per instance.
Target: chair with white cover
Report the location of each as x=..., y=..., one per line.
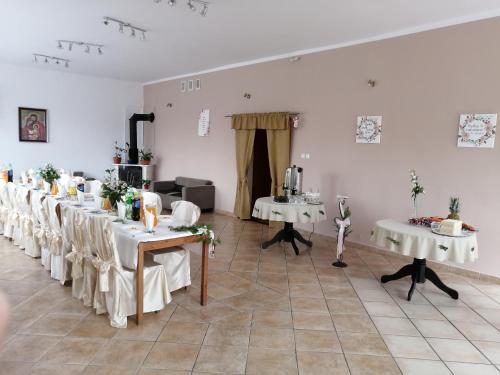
x=39, y=223
x=94, y=187
x=4, y=206
x=12, y=228
x=118, y=283
x=83, y=272
x=26, y=222
x=44, y=234
x=153, y=199
x=177, y=260
x=57, y=245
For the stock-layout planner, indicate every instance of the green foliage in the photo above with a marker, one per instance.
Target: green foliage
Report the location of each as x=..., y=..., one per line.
x=203, y=230
x=416, y=188
x=49, y=173
x=146, y=155
x=454, y=205
x=113, y=189
x=118, y=150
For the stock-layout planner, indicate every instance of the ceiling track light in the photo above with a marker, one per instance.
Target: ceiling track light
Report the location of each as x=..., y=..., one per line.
x=86, y=46
x=125, y=25
x=191, y=5
x=50, y=59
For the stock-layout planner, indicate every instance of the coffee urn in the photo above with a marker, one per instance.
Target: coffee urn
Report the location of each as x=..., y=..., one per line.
x=293, y=181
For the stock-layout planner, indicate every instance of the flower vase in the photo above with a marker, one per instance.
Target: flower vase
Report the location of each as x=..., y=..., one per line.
x=106, y=204
x=46, y=187
x=414, y=209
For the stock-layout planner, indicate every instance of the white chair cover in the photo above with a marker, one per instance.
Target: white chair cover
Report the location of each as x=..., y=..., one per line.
x=38, y=216
x=95, y=187
x=45, y=234
x=4, y=206
x=177, y=260
x=26, y=223
x=14, y=229
x=152, y=199
x=118, y=284
x=55, y=241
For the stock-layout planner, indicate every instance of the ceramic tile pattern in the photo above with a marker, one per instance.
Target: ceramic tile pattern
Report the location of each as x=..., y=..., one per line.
x=269, y=312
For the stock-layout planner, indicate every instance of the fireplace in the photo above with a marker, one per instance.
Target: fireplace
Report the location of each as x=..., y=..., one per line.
x=133, y=174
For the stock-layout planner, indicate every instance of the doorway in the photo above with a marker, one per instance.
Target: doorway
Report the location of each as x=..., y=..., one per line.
x=260, y=180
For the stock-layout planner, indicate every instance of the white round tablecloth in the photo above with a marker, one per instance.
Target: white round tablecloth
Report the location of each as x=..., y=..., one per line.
x=267, y=209
x=419, y=242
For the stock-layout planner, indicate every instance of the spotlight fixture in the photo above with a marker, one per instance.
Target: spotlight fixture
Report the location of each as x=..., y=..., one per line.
x=122, y=25
x=191, y=5
x=50, y=59
x=87, y=46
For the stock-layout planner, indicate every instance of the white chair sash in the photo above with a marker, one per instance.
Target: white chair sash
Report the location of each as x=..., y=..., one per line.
x=55, y=241
x=103, y=267
x=76, y=258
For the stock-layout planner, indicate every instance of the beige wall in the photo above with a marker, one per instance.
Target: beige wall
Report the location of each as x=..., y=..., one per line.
x=424, y=82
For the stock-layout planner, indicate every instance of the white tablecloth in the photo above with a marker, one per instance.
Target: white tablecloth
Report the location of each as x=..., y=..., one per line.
x=419, y=242
x=266, y=209
x=129, y=235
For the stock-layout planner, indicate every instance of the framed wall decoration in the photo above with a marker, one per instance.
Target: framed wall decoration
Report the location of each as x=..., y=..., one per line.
x=369, y=129
x=477, y=130
x=32, y=125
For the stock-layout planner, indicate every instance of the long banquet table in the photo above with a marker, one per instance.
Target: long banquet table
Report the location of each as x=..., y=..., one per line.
x=133, y=242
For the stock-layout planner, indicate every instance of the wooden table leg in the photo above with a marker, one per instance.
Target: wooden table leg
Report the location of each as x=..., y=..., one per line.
x=204, y=274
x=139, y=290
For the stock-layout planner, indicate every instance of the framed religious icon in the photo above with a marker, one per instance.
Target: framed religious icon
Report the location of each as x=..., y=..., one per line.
x=32, y=125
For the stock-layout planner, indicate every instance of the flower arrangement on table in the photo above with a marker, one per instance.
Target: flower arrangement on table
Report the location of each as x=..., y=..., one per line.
x=49, y=173
x=113, y=189
x=416, y=190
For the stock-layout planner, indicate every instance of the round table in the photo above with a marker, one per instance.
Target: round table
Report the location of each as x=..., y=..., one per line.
x=267, y=209
x=421, y=244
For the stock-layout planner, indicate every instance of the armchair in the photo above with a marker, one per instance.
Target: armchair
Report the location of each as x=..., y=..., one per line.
x=200, y=192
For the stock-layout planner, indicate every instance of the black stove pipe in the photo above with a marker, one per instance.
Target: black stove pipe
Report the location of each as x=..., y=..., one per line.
x=133, y=153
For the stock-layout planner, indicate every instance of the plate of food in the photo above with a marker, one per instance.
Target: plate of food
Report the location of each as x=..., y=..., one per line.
x=463, y=233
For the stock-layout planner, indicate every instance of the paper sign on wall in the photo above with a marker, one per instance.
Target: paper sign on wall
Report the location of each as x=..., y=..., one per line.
x=204, y=123
x=477, y=130
x=368, y=129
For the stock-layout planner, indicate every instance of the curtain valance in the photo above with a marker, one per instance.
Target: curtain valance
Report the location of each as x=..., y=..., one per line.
x=268, y=121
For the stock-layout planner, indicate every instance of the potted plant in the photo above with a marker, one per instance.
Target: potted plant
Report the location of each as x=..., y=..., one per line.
x=146, y=157
x=146, y=184
x=117, y=158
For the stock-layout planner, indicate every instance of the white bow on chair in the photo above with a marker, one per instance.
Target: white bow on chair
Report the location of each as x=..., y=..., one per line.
x=76, y=258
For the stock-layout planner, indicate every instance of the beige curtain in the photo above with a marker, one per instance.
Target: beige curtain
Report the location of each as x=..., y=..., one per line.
x=244, y=151
x=277, y=127
x=278, y=149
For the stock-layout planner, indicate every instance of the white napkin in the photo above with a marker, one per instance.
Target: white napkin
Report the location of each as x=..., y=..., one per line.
x=122, y=210
x=150, y=221
x=34, y=182
x=46, y=187
x=98, y=202
x=81, y=197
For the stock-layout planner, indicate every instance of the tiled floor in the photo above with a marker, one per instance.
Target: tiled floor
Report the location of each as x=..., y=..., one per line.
x=269, y=312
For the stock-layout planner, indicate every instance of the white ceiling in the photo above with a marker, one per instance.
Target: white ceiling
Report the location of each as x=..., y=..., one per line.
x=234, y=31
